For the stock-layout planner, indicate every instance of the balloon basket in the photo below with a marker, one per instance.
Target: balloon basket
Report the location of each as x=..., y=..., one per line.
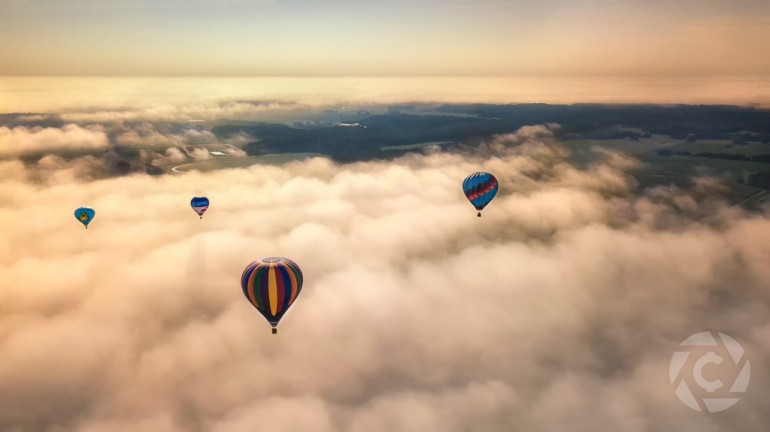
x=479, y=214
x=275, y=330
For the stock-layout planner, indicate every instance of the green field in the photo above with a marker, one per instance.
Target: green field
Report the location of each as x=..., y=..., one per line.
x=218, y=163
x=681, y=169
x=644, y=145
x=414, y=146
x=723, y=146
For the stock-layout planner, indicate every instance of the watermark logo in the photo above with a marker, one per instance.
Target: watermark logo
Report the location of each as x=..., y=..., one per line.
x=710, y=372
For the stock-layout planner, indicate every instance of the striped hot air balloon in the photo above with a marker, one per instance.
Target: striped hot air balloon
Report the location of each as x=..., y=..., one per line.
x=271, y=285
x=480, y=188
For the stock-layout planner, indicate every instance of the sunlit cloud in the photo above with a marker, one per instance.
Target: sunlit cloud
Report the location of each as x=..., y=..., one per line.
x=559, y=309
x=181, y=112
x=22, y=140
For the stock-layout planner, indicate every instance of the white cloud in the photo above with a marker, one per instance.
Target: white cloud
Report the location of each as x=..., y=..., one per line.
x=559, y=309
x=22, y=140
x=144, y=134
x=183, y=112
x=200, y=153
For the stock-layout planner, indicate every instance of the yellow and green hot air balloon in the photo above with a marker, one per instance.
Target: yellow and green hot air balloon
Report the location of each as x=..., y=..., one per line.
x=271, y=285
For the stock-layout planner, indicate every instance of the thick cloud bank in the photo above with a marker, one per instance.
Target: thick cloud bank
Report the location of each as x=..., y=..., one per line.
x=558, y=310
x=22, y=140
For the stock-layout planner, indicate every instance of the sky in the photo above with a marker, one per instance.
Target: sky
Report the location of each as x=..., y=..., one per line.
x=384, y=38
x=559, y=309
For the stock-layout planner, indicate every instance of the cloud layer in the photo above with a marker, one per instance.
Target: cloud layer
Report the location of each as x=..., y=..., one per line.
x=558, y=310
x=21, y=140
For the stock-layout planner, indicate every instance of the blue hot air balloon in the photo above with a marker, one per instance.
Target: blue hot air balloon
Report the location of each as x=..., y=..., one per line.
x=200, y=205
x=480, y=188
x=85, y=215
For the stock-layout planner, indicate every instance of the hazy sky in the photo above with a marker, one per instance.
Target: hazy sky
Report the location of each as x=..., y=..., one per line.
x=398, y=37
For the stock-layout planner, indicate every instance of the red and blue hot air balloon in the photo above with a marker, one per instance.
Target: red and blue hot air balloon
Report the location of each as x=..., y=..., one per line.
x=480, y=188
x=271, y=285
x=200, y=205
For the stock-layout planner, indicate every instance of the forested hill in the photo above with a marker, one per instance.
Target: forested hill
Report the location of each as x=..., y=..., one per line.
x=365, y=140
x=677, y=121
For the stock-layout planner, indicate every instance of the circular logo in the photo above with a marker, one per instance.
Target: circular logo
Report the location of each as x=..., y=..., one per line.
x=710, y=372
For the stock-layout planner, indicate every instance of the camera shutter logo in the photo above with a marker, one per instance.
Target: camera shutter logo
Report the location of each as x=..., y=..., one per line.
x=706, y=353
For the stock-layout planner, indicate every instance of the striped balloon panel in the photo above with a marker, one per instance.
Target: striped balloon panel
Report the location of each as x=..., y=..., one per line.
x=480, y=188
x=271, y=285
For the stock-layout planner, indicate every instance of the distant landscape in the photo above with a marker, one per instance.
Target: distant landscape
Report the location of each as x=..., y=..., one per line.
x=674, y=142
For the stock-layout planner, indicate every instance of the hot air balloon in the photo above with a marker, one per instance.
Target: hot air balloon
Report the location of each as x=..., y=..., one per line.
x=200, y=205
x=480, y=188
x=85, y=215
x=271, y=285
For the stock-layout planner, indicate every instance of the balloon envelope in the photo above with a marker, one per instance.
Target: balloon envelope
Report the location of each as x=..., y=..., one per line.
x=480, y=188
x=85, y=215
x=271, y=285
x=200, y=205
